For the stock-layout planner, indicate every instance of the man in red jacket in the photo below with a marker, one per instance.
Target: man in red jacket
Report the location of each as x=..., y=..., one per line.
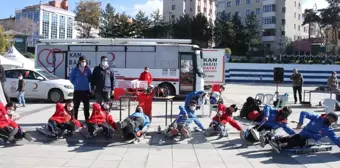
x=220, y=120
x=10, y=128
x=146, y=76
x=62, y=120
x=101, y=120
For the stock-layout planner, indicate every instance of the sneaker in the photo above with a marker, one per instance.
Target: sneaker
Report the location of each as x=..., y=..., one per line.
x=263, y=141
x=255, y=134
x=274, y=145
x=97, y=131
x=23, y=105
x=27, y=136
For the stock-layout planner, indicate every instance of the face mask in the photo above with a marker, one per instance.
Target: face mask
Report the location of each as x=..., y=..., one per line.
x=106, y=106
x=104, y=63
x=83, y=64
x=20, y=78
x=219, y=113
x=326, y=122
x=69, y=108
x=10, y=111
x=139, y=110
x=192, y=108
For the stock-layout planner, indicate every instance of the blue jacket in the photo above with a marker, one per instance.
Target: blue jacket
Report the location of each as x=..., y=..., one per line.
x=315, y=129
x=145, y=117
x=192, y=95
x=272, y=122
x=186, y=116
x=81, y=81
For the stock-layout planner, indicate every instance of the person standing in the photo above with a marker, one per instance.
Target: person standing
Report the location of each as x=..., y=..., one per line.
x=146, y=76
x=103, y=81
x=80, y=77
x=21, y=90
x=3, y=80
x=297, y=80
x=333, y=83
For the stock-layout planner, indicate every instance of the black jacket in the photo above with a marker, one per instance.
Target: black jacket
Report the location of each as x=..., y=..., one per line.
x=21, y=85
x=2, y=74
x=98, y=79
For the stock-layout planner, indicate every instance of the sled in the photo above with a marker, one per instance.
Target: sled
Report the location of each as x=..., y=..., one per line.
x=245, y=142
x=44, y=130
x=310, y=149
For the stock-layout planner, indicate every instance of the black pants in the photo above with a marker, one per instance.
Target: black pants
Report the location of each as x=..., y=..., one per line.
x=293, y=141
x=56, y=128
x=299, y=90
x=136, y=122
x=250, y=136
x=92, y=127
x=81, y=96
x=6, y=96
x=7, y=130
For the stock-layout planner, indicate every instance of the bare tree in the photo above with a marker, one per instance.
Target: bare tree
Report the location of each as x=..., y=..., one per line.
x=26, y=26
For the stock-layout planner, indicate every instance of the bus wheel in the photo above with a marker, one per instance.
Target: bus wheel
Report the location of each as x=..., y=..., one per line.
x=171, y=89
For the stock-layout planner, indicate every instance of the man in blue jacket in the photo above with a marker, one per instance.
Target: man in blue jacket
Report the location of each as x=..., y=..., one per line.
x=135, y=125
x=318, y=127
x=80, y=77
x=186, y=116
x=200, y=97
x=272, y=119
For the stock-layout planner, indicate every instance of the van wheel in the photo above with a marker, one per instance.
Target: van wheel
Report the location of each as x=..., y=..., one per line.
x=56, y=96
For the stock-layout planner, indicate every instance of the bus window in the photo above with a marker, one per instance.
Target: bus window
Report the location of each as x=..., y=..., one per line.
x=187, y=74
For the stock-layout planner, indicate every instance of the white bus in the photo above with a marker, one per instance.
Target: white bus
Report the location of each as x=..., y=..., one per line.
x=175, y=63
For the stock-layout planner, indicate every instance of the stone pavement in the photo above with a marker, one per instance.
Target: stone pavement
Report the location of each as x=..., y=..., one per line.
x=197, y=152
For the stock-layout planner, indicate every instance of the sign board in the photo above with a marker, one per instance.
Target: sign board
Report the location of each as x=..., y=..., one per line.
x=213, y=66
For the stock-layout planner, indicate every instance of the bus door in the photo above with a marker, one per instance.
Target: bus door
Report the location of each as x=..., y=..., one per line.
x=187, y=76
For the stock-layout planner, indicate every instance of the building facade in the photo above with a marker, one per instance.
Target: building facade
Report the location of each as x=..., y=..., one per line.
x=52, y=21
x=174, y=9
x=280, y=20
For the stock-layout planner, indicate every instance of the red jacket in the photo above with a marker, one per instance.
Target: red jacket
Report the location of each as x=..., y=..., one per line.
x=99, y=116
x=62, y=116
x=225, y=118
x=5, y=120
x=146, y=76
x=221, y=107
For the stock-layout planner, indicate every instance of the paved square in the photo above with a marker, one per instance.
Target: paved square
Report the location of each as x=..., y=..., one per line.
x=198, y=152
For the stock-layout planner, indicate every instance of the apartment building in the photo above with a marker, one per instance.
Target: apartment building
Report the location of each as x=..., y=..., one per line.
x=174, y=9
x=53, y=20
x=281, y=20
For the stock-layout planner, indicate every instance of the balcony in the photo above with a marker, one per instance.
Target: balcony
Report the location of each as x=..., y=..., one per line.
x=268, y=14
x=268, y=38
x=268, y=2
x=269, y=26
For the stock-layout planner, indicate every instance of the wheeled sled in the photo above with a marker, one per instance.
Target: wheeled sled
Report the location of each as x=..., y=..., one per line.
x=310, y=149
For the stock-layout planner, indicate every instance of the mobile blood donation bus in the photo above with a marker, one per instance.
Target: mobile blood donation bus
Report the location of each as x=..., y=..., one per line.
x=175, y=63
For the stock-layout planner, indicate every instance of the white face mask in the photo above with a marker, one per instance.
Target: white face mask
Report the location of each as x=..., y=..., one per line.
x=20, y=78
x=104, y=63
x=83, y=64
x=219, y=113
x=106, y=106
x=69, y=108
x=192, y=108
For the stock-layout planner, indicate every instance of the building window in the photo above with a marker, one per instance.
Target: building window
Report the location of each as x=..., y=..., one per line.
x=30, y=15
x=229, y=4
x=269, y=8
x=36, y=17
x=283, y=9
x=248, y=1
x=295, y=3
x=210, y=2
x=299, y=16
x=62, y=27
x=283, y=21
x=237, y=2
x=205, y=10
x=54, y=26
x=269, y=32
x=199, y=9
x=269, y=20
x=69, y=28
x=294, y=14
x=299, y=5
x=294, y=26
x=299, y=28
x=258, y=10
x=173, y=7
x=46, y=25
